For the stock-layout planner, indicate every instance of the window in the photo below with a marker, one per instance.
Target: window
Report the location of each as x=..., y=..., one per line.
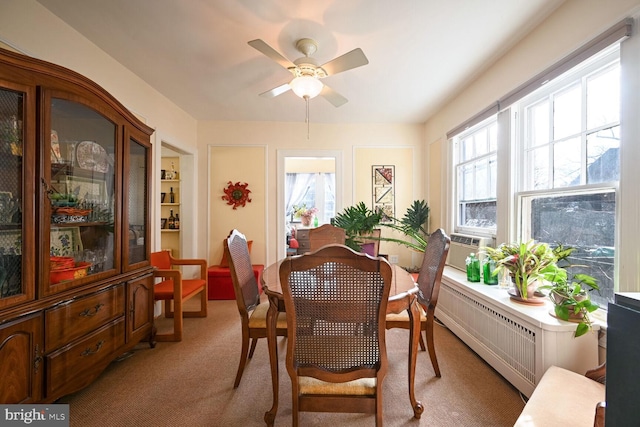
x=311, y=190
x=476, y=178
x=569, y=145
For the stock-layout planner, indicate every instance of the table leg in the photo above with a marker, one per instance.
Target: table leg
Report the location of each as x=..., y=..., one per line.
x=414, y=332
x=272, y=316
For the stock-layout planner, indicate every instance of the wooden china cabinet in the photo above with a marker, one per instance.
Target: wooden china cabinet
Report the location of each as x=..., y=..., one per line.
x=76, y=287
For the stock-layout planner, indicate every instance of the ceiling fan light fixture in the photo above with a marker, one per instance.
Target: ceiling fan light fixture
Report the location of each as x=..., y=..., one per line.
x=306, y=86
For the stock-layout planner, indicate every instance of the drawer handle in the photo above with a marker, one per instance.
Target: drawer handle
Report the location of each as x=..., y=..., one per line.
x=88, y=312
x=89, y=352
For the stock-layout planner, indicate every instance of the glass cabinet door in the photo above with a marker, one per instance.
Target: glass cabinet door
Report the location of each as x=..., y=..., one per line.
x=137, y=162
x=17, y=264
x=81, y=192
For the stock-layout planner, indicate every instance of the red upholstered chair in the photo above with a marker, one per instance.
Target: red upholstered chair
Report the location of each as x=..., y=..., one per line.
x=435, y=256
x=253, y=313
x=173, y=288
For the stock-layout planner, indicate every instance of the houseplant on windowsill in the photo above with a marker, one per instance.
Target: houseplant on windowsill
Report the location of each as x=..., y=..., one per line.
x=528, y=263
x=570, y=296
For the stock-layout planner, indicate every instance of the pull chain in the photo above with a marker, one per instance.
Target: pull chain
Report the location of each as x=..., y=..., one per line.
x=306, y=98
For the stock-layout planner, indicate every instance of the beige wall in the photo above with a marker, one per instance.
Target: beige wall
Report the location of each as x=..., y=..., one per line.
x=244, y=165
x=404, y=189
x=395, y=141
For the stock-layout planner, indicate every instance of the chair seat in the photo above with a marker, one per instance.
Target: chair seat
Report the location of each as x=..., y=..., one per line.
x=258, y=318
x=404, y=316
x=164, y=290
x=359, y=387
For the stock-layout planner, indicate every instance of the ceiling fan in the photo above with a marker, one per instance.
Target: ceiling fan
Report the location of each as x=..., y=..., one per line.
x=307, y=73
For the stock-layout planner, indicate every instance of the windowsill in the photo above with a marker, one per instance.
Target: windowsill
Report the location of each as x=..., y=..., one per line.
x=537, y=315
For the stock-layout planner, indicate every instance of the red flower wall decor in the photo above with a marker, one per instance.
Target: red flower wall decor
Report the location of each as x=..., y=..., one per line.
x=236, y=194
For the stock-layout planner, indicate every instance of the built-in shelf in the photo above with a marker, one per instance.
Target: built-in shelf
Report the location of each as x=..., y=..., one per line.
x=169, y=230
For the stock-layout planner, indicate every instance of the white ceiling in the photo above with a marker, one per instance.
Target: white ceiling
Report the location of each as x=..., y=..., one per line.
x=195, y=52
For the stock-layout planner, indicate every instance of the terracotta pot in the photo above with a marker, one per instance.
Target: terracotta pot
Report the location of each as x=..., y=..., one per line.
x=558, y=300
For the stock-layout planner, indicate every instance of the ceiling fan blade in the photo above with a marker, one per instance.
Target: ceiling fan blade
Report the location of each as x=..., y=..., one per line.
x=276, y=91
x=349, y=60
x=333, y=97
x=270, y=52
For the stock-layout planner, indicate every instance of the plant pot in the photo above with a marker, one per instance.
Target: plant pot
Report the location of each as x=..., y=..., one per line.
x=306, y=220
x=559, y=299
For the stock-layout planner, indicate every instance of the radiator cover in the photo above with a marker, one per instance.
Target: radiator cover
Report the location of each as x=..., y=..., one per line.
x=520, y=342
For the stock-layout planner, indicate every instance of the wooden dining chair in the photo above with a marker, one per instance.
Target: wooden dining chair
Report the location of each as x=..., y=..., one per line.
x=435, y=256
x=173, y=288
x=336, y=300
x=324, y=235
x=253, y=313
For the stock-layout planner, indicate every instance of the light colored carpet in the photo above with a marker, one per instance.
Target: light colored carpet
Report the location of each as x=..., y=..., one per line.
x=191, y=384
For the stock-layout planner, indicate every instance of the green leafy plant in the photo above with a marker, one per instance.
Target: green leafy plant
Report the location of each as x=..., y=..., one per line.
x=570, y=296
x=526, y=262
x=357, y=221
x=413, y=225
x=531, y=261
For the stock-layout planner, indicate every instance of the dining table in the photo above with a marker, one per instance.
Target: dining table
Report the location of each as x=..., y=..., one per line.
x=402, y=296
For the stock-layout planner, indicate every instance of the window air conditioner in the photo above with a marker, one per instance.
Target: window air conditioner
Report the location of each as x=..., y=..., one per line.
x=462, y=245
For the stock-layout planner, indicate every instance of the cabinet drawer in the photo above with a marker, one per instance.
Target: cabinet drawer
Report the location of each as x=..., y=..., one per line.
x=73, y=367
x=304, y=245
x=302, y=234
x=66, y=322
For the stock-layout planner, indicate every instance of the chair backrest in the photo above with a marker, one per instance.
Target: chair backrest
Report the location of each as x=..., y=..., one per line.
x=435, y=256
x=336, y=300
x=326, y=234
x=161, y=260
x=242, y=276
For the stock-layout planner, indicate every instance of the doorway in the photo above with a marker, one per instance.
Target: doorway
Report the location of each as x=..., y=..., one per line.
x=317, y=164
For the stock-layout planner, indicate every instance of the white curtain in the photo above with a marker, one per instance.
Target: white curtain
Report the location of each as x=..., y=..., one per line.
x=296, y=186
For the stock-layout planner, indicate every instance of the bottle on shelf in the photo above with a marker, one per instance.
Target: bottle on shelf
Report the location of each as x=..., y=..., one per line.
x=176, y=223
x=174, y=173
x=473, y=268
x=315, y=221
x=172, y=220
x=172, y=196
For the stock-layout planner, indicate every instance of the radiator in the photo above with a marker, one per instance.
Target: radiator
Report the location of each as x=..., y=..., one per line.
x=517, y=341
x=511, y=342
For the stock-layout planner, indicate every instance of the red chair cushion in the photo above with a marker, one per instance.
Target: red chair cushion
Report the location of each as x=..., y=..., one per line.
x=164, y=289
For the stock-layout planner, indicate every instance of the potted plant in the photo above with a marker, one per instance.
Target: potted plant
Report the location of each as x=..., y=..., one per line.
x=528, y=263
x=305, y=215
x=357, y=221
x=570, y=296
x=413, y=225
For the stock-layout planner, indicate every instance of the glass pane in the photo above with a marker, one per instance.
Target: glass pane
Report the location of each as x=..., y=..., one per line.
x=479, y=214
x=82, y=191
x=538, y=116
x=493, y=137
x=481, y=181
x=11, y=142
x=467, y=148
x=540, y=169
x=603, y=98
x=566, y=163
x=567, y=112
x=481, y=142
x=466, y=179
x=603, y=156
x=137, y=195
x=586, y=222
